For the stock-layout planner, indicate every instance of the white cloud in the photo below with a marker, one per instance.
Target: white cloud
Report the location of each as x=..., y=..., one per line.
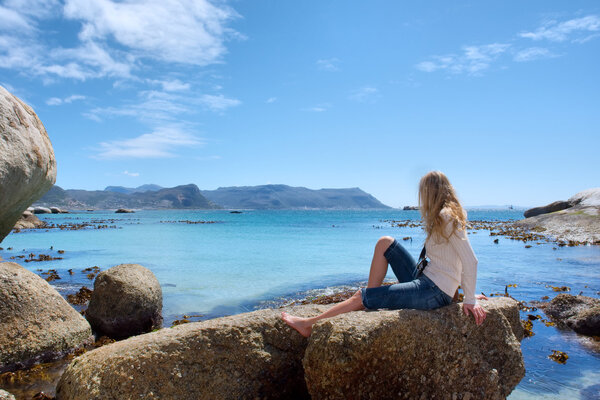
x=560, y=31
x=12, y=20
x=160, y=143
x=116, y=37
x=318, y=108
x=533, y=53
x=182, y=31
x=131, y=174
x=328, y=64
x=56, y=101
x=174, y=85
x=218, y=103
x=157, y=107
x=365, y=94
x=271, y=100
x=473, y=60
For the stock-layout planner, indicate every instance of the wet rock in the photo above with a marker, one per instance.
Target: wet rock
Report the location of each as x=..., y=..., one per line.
x=124, y=211
x=56, y=210
x=550, y=208
x=41, y=210
x=27, y=164
x=245, y=356
x=580, y=313
x=126, y=301
x=416, y=354
x=36, y=323
x=29, y=221
x=4, y=395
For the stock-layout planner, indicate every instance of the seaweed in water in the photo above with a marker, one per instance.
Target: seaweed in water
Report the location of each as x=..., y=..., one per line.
x=559, y=356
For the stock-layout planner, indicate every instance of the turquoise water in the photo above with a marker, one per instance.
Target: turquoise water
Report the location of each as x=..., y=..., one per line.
x=264, y=258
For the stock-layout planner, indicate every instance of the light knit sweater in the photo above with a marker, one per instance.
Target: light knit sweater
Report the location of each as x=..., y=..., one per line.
x=452, y=262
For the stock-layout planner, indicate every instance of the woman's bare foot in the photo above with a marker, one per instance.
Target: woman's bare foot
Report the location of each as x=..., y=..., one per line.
x=300, y=324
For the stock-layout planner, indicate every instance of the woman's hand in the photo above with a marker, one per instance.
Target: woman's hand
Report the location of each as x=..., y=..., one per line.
x=481, y=296
x=477, y=311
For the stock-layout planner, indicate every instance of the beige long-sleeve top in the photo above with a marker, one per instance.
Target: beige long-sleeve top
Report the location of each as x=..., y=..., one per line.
x=452, y=262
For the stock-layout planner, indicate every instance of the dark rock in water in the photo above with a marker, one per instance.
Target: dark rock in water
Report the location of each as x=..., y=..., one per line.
x=383, y=354
x=126, y=301
x=416, y=354
x=4, y=395
x=124, y=211
x=36, y=323
x=410, y=208
x=235, y=212
x=580, y=313
x=550, y=208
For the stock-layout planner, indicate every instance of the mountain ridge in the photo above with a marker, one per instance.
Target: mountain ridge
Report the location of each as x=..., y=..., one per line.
x=261, y=197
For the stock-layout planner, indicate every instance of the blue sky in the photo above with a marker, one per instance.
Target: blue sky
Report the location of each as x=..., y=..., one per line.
x=502, y=96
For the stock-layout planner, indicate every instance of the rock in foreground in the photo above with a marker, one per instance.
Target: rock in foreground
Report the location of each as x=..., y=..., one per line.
x=245, y=356
x=27, y=164
x=29, y=221
x=383, y=354
x=580, y=313
x=126, y=301
x=410, y=354
x=36, y=323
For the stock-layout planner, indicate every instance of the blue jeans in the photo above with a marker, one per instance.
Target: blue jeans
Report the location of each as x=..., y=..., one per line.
x=410, y=292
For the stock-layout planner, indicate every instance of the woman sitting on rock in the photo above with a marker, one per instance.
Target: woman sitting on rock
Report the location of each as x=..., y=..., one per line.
x=452, y=262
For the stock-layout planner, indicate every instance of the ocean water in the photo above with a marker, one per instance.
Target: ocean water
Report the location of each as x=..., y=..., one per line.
x=241, y=262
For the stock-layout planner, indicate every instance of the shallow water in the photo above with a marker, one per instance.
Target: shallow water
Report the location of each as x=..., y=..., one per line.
x=265, y=258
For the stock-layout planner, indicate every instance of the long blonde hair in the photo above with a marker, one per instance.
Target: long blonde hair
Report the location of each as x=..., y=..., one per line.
x=436, y=193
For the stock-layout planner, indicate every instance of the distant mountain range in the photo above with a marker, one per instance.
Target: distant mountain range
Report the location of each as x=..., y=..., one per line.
x=265, y=197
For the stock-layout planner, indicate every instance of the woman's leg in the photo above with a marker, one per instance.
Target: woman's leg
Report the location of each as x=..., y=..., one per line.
x=304, y=325
x=379, y=265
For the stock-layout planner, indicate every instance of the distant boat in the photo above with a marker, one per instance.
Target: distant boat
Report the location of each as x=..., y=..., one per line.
x=510, y=207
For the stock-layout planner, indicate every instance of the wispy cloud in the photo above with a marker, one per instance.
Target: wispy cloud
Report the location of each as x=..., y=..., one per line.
x=473, y=59
x=533, y=53
x=131, y=174
x=561, y=31
x=156, y=107
x=271, y=100
x=56, y=101
x=328, y=64
x=365, y=94
x=161, y=143
x=218, y=103
x=322, y=107
x=174, y=85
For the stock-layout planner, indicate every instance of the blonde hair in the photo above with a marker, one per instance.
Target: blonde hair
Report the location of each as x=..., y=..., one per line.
x=436, y=193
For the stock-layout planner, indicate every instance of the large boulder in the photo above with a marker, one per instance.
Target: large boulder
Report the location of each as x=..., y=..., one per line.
x=580, y=313
x=550, y=208
x=127, y=301
x=575, y=221
x=27, y=164
x=36, y=323
x=382, y=354
x=28, y=220
x=245, y=356
x=411, y=354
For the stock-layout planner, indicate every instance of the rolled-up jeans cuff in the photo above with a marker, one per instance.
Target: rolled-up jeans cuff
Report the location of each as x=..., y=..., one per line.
x=363, y=293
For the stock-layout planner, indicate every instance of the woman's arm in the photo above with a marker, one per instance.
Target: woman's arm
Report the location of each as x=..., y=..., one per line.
x=460, y=241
